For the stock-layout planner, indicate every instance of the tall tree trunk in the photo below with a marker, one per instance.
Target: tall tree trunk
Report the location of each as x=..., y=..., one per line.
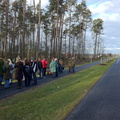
x=73, y=46
x=23, y=32
x=69, y=35
x=6, y=30
x=54, y=35
x=38, y=43
x=95, y=48
x=33, y=44
x=46, y=45
x=1, y=39
x=61, y=31
x=65, y=43
x=13, y=35
x=56, y=32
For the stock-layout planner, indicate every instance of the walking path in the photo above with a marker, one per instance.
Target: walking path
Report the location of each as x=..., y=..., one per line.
x=103, y=101
x=13, y=90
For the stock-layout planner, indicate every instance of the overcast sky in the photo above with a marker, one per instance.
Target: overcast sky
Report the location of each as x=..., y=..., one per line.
x=109, y=11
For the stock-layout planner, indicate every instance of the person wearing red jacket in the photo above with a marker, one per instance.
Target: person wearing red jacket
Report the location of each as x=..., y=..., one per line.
x=44, y=66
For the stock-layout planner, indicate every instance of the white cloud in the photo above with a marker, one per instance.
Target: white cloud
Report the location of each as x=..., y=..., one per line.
x=113, y=17
x=112, y=48
x=108, y=10
x=44, y=3
x=113, y=38
x=100, y=8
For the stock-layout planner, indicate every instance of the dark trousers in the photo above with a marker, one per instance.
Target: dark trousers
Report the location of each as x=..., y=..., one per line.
x=69, y=68
x=27, y=80
x=43, y=72
x=53, y=74
x=34, y=78
x=59, y=68
x=6, y=83
x=1, y=78
x=73, y=69
x=39, y=72
x=56, y=72
x=19, y=82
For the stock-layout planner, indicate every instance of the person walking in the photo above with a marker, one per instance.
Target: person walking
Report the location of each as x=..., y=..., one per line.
x=7, y=75
x=53, y=68
x=27, y=73
x=1, y=70
x=44, y=66
x=34, y=70
x=19, y=72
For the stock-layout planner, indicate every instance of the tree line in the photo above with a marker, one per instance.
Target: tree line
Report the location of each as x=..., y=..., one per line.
x=59, y=30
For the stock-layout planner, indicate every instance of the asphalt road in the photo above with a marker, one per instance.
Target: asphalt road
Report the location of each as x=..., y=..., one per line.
x=103, y=100
x=13, y=89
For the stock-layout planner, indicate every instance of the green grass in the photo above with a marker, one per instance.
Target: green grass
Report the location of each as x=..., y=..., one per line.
x=54, y=100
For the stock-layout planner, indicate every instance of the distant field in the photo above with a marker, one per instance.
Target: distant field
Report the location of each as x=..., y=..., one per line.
x=54, y=100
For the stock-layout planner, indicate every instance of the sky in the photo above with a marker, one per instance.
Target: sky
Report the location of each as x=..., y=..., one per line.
x=109, y=12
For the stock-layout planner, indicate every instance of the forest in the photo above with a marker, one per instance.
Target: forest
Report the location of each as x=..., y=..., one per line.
x=59, y=30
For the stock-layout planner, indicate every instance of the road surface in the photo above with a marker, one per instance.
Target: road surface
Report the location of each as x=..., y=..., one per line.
x=103, y=100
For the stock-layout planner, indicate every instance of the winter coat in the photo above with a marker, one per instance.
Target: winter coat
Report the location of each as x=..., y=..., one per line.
x=19, y=70
x=53, y=66
x=73, y=63
x=39, y=64
x=69, y=62
x=7, y=74
x=1, y=66
x=34, y=66
x=44, y=63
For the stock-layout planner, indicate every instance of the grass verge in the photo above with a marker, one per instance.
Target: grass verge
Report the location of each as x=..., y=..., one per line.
x=54, y=100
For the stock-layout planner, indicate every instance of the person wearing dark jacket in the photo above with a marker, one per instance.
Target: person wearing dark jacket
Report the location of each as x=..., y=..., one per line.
x=39, y=65
x=19, y=72
x=7, y=76
x=1, y=70
x=27, y=73
x=34, y=70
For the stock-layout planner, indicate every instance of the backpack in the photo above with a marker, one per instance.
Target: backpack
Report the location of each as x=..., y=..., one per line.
x=27, y=69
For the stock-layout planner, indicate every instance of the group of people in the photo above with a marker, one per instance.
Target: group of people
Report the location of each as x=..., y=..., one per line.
x=21, y=68
x=27, y=69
